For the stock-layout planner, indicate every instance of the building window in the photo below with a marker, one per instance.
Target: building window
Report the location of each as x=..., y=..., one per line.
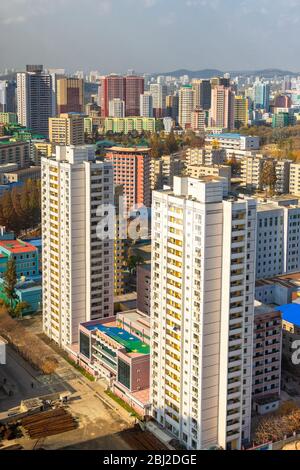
x=124, y=373
x=84, y=345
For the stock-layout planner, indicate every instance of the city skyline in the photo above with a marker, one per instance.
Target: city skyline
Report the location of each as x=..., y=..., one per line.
x=160, y=47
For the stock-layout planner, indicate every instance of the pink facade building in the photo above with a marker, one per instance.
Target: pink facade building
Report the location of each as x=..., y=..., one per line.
x=134, y=90
x=112, y=87
x=127, y=89
x=132, y=171
x=222, y=107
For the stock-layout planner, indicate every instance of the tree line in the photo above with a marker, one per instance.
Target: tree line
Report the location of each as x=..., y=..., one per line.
x=20, y=208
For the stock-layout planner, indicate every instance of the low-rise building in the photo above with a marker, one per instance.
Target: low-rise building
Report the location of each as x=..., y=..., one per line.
x=232, y=141
x=252, y=172
x=20, y=176
x=24, y=255
x=129, y=124
x=196, y=171
x=14, y=152
x=295, y=179
x=118, y=349
x=204, y=156
x=279, y=290
x=291, y=335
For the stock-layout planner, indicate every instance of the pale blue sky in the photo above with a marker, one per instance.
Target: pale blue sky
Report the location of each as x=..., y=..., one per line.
x=150, y=35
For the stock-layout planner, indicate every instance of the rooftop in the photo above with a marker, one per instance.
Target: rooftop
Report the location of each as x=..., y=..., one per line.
x=132, y=343
x=286, y=280
x=129, y=149
x=290, y=313
x=224, y=136
x=17, y=246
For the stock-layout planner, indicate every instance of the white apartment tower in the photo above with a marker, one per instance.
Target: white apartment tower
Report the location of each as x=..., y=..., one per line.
x=146, y=105
x=34, y=99
x=202, y=310
x=117, y=108
x=186, y=106
x=278, y=238
x=78, y=261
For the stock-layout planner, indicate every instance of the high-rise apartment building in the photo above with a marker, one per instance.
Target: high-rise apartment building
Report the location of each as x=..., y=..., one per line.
x=261, y=95
x=67, y=129
x=116, y=108
x=134, y=89
x=159, y=94
x=205, y=94
x=78, y=261
x=202, y=90
x=112, y=86
x=241, y=111
x=186, y=106
x=8, y=96
x=172, y=107
x=34, y=98
x=202, y=312
x=278, y=238
x=198, y=120
x=222, y=107
x=146, y=105
x=132, y=171
x=69, y=95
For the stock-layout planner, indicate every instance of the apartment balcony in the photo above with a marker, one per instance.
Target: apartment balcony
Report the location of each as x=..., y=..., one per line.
x=235, y=321
x=235, y=363
x=235, y=330
x=234, y=405
x=234, y=414
x=235, y=342
x=236, y=288
x=237, y=244
x=170, y=410
x=238, y=266
x=234, y=395
x=236, y=256
x=237, y=278
x=235, y=353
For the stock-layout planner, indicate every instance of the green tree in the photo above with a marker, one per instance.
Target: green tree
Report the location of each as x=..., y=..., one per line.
x=10, y=282
x=133, y=261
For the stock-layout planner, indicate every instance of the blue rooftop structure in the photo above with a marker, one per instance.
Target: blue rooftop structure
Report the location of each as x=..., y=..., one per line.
x=290, y=313
x=129, y=341
x=225, y=136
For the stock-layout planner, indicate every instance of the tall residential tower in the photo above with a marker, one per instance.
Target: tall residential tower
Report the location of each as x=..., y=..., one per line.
x=202, y=313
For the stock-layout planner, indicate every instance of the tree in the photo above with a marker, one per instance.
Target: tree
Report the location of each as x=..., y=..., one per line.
x=20, y=308
x=133, y=261
x=171, y=144
x=235, y=166
x=10, y=282
x=268, y=176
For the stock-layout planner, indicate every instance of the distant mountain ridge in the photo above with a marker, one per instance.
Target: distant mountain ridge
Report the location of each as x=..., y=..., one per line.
x=209, y=73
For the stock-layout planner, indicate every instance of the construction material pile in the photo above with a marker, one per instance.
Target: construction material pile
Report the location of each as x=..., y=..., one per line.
x=48, y=423
x=142, y=440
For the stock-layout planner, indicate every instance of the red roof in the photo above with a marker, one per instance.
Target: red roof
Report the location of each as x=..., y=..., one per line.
x=17, y=246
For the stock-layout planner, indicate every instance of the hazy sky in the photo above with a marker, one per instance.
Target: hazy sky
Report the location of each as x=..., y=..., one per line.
x=150, y=35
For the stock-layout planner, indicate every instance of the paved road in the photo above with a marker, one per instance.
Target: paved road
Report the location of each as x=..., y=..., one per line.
x=19, y=377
